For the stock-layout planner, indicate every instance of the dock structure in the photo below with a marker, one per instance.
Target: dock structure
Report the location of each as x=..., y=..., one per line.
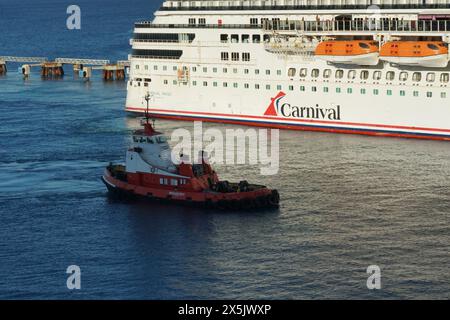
x=81, y=67
x=113, y=72
x=3, y=68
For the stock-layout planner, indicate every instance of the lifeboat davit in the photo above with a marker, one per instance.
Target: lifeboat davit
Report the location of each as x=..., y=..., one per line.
x=356, y=52
x=433, y=54
x=150, y=173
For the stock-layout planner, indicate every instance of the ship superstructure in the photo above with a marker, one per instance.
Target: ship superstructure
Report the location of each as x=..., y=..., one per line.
x=370, y=67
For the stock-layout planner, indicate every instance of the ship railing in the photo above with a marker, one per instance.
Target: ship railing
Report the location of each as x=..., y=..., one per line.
x=368, y=25
x=360, y=25
x=155, y=57
x=305, y=7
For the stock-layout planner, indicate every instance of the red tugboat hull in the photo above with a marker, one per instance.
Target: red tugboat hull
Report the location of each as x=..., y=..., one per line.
x=257, y=197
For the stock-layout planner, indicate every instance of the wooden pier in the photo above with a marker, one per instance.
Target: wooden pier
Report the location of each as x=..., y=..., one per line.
x=55, y=69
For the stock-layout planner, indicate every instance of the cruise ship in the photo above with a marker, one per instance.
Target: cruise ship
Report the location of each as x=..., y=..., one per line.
x=371, y=67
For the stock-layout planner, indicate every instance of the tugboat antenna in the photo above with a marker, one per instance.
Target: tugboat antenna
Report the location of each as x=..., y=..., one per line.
x=147, y=115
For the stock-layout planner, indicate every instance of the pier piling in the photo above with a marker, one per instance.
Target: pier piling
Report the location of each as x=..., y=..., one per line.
x=3, y=68
x=52, y=70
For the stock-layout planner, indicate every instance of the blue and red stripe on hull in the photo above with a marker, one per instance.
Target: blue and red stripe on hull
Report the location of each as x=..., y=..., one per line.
x=378, y=130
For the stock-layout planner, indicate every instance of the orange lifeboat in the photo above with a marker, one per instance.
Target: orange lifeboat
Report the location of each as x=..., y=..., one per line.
x=432, y=54
x=359, y=52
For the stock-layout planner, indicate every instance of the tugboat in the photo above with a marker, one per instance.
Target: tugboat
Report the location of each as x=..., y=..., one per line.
x=150, y=173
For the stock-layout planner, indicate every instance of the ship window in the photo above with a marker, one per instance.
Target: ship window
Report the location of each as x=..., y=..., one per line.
x=256, y=71
x=137, y=67
x=363, y=91
x=443, y=95
x=149, y=140
x=431, y=76
x=417, y=77
x=256, y=38
x=225, y=70
x=173, y=182
x=268, y=72
x=224, y=56
x=215, y=84
x=390, y=75
x=146, y=67
x=246, y=56
x=246, y=86
x=164, y=68
x=291, y=72
x=224, y=38
x=246, y=71
x=389, y=92
x=155, y=67
x=194, y=83
x=235, y=56
x=352, y=75
x=215, y=70
x=234, y=38
x=257, y=86
x=376, y=92
x=205, y=84
x=192, y=21
x=339, y=74
x=445, y=77
x=279, y=87
x=377, y=75
x=156, y=54
x=175, y=82
x=325, y=89
x=279, y=72
x=338, y=90
x=235, y=85
x=267, y=86
x=416, y=93
x=364, y=75
x=135, y=139
x=402, y=93
x=266, y=38
x=245, y=38
x=433, y=46
x=235, y=70
x=205, y=69
x=327, y=73
x=429, y=94
x=303, y=72
x=350, y=90
x=314, y=89
x=225, y=84
x=302, y=88
x=364, y=45
x=291, y=88
x=315, y=73
x=403, y=76
x=167, y=82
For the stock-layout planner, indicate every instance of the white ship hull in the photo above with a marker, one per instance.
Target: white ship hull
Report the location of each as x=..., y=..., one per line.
x=386, y=99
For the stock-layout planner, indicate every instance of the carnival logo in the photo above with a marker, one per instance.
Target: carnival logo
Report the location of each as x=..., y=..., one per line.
x=287, y=110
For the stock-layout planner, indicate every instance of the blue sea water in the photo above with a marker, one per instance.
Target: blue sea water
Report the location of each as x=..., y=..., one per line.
x=347, y=201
